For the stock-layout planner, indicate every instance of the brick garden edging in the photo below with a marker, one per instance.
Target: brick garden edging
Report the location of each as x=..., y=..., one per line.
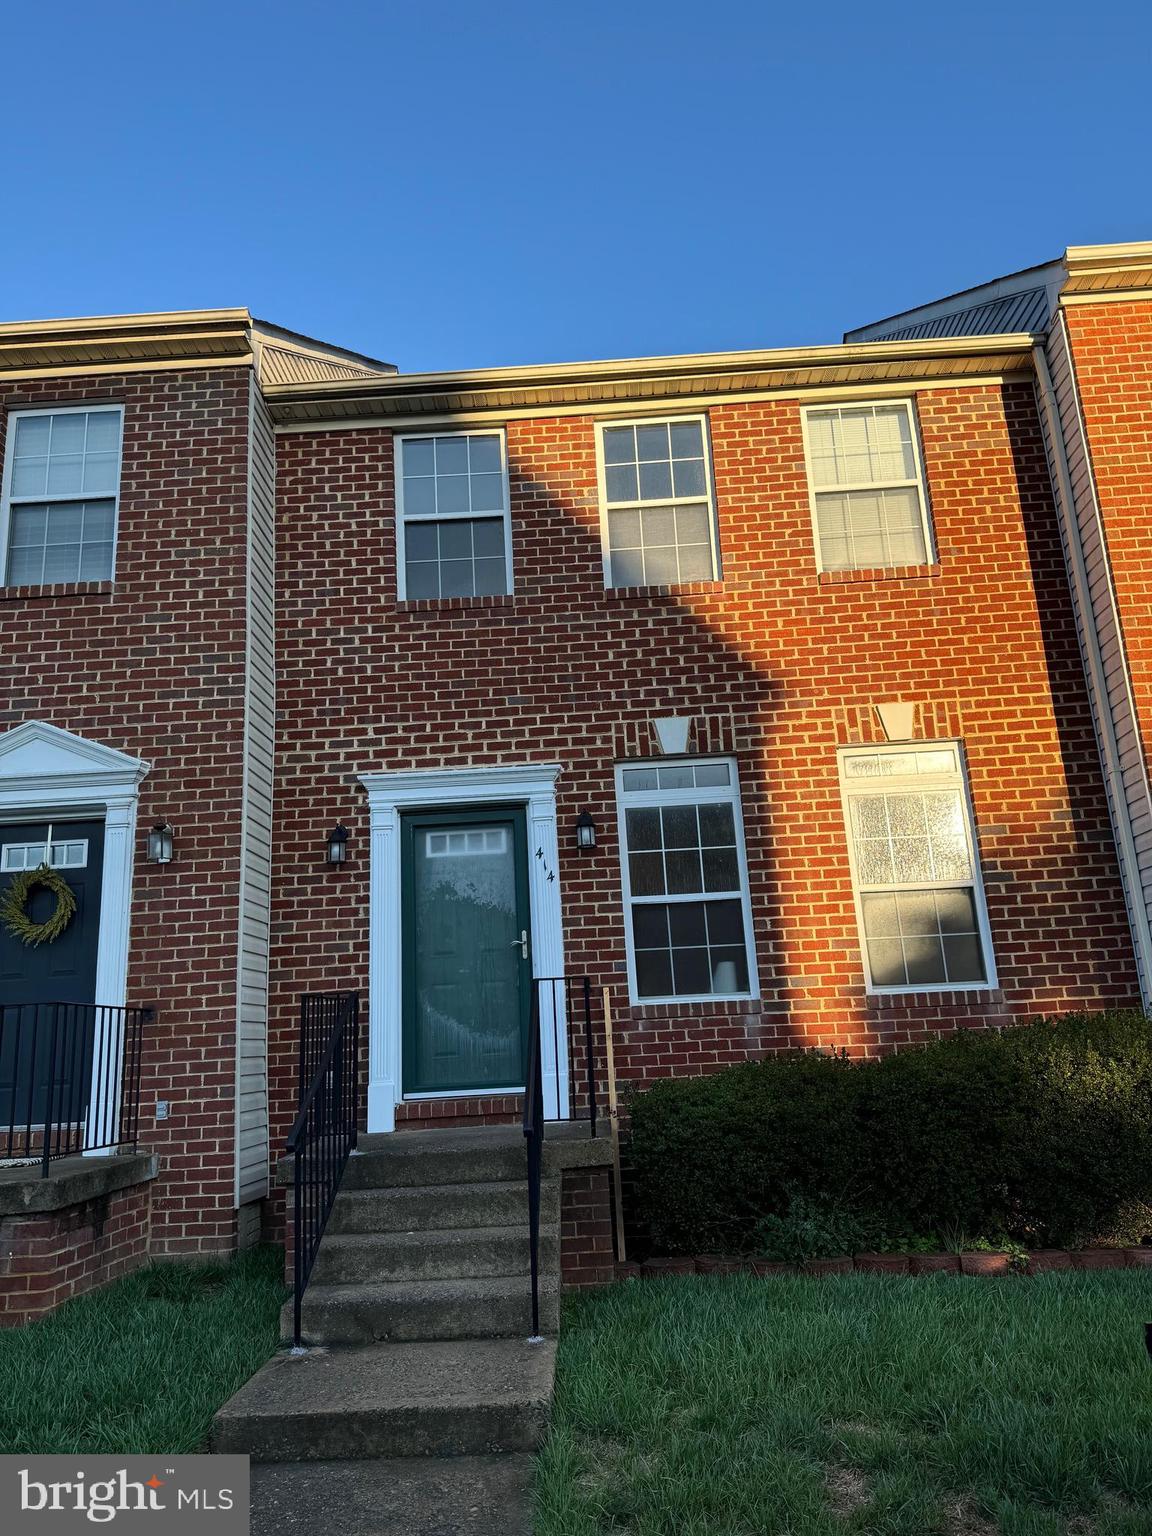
x=1042, y=1261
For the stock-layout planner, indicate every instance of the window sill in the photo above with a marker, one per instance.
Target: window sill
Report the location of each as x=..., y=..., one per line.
x=936, y=997
x=688, y=587
x=439, y=604
x=695, y=1006
x=61, y=589
x=874, y=573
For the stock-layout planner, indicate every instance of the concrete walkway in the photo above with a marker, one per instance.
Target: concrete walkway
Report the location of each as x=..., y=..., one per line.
x=413, y=1496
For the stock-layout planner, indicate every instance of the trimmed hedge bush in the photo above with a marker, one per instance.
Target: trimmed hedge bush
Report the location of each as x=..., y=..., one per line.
x=1042, y=1131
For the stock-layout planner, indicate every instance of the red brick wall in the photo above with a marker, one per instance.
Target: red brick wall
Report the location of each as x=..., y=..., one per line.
x=46, y=1259
x=778, y=665
x=587, y=1253
x=153, y=665
x=1112, y=353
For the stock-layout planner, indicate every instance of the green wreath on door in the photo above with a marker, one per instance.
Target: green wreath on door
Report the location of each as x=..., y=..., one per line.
x=14, y=906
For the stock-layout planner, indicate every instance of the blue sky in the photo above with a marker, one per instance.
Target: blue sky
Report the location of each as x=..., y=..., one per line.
x=448, y=185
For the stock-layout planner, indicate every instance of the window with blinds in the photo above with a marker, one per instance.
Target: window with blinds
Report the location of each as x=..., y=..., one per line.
x=919, y=896
x=866, y=481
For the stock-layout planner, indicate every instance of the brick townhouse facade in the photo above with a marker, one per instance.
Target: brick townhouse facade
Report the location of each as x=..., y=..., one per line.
x=837, y=656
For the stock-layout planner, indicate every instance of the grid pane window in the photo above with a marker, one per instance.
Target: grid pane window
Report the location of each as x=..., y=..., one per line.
x=62, y=482
x=921, y=904
x=659, y=515
x=867, y=487
x=15, y=857
x=684, y=881
x=453, y=506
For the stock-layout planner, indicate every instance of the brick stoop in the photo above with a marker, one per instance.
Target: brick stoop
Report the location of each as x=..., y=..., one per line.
x=416, y=1321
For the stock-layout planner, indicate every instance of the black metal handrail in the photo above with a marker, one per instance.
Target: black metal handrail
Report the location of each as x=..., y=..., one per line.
x=69, y=1079
x=565, y=994
x=324, y=1131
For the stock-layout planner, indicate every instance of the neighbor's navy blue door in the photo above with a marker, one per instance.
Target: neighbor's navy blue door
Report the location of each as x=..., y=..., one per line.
x=61, y=972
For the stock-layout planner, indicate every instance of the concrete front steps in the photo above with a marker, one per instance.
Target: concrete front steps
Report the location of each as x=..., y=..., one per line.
x=495, y=1307
x=428, y=1239
x=416, y=1324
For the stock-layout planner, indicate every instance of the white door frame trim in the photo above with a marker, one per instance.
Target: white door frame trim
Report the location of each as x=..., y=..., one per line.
x=532, y=785
x=46, y=772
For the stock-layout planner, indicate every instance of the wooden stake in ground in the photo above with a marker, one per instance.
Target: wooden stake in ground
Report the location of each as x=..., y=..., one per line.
x=614, y=1123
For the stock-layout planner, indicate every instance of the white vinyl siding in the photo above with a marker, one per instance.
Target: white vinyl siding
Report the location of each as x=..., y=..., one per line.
x=920, y=903
x=685, y=878
x=59, y=498
x=1101, y=641
x=658, y=520
x=256, y=826
x=869, y=507
x=454, y=534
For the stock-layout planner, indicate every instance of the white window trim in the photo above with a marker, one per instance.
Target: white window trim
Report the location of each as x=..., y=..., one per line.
x=623, y=506
x=920, y=481
x=928, y=782
x=400, y=438
x=6, y=482
x=646, y=799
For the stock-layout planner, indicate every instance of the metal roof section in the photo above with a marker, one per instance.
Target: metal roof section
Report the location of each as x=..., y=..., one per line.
x=288, y=357
x=1022, y=301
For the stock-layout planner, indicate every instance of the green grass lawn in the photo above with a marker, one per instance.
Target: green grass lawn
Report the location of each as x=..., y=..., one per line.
x=142, y=1365
x=898, y=1407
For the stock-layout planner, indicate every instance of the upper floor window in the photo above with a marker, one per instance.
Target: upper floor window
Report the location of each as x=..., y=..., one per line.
x=867, y=486
x=60, y=491
x=454, y=533
x=688, y=915
x=659, y=525
x=913, y=854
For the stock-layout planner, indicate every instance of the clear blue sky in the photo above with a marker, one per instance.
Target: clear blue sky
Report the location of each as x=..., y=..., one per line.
x=451, y=185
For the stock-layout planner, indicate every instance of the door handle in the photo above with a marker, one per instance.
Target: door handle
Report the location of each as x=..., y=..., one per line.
x=521, y=944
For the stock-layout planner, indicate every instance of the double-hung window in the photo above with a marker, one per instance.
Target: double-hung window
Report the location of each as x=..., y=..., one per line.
x=689, y=921
x=454, y=534
x=60, y=491
x=920, y=901
x=867, y=486
x=659, y=524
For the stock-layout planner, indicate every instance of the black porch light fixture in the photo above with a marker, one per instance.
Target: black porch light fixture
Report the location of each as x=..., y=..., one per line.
x=585, y=830
x=338, y=845
x=160, y=844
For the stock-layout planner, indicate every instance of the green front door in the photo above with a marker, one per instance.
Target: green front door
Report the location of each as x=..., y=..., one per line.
x=467, y=945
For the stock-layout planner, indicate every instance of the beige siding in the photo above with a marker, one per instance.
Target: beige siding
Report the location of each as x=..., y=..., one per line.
x=1098, y=625
x=256, y=856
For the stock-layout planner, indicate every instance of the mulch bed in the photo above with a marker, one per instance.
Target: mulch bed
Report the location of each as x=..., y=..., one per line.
x=1042, y=1261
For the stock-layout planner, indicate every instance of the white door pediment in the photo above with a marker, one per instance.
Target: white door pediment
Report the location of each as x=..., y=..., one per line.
x=44, y=757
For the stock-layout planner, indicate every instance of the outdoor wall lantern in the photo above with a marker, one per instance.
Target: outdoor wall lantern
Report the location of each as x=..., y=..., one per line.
x=338, y=845
x=160, y=844
x=585, y=830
